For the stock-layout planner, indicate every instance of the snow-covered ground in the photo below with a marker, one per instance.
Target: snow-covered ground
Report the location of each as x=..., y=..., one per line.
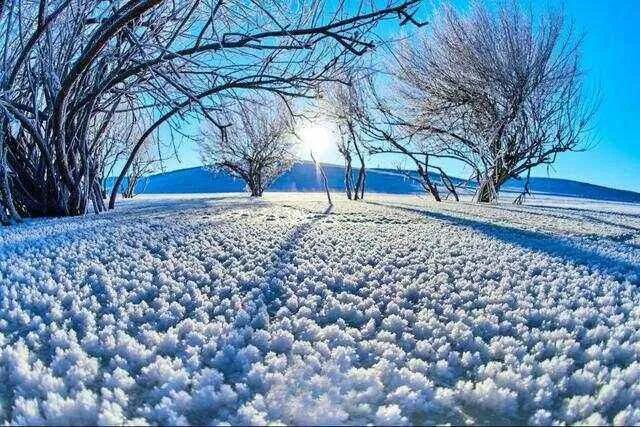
x=397, y=310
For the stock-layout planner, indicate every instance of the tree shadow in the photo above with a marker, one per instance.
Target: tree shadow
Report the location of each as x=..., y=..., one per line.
x=588, y=211
x=570, y=216
x=552, y=245
x=284, y=255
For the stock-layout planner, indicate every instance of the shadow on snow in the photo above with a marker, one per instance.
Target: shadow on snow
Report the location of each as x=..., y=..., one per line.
x=536, y=241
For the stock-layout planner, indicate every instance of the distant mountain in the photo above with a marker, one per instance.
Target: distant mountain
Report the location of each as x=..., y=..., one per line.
x=304, y=177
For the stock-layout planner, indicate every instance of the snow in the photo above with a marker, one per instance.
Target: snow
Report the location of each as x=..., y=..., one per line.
x=221, y=309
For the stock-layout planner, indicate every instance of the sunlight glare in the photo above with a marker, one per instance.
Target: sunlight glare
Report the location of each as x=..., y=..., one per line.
x=315, y=137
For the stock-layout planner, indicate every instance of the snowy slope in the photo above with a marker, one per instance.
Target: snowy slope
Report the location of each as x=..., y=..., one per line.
x=210, y=309
x=304, y=177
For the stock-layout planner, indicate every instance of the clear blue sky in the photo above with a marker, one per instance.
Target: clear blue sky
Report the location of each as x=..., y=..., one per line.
x=611, y=55
x=612, y=58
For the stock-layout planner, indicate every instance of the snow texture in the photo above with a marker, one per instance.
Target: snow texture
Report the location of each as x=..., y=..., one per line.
x=178, y=310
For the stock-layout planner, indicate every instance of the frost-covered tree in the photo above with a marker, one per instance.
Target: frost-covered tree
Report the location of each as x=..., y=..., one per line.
x=257, y=144
x=146, y=163
x=499, y=91
x=343, y=105
x=72, y=69
x=385, y=128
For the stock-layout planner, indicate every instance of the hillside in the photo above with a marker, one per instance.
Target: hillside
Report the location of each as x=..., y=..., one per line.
x=304, y=177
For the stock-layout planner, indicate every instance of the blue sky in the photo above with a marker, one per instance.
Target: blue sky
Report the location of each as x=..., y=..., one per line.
x=611, y=57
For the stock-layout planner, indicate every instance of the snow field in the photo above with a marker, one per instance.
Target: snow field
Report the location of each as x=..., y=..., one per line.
x=397, y=311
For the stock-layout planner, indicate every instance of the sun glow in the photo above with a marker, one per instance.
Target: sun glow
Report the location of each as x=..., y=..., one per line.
x=316, y=137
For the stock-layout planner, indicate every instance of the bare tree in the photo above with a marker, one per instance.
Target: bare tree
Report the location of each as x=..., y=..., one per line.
x=386, y=130
x=145, y=163
x=343, y=104
x=257, y=146
x=70, y=69
x=499, y=92
x=115, y=147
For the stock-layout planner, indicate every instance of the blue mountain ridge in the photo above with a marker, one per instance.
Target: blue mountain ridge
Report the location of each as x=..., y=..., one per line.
x=304, y=177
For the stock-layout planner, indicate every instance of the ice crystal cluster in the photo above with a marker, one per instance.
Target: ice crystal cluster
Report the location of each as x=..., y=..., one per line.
x=392, y=311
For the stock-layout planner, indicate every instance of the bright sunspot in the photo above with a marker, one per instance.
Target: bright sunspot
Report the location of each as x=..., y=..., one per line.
x=315, y=137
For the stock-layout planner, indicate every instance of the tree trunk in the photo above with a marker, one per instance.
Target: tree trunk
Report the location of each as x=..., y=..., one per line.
x=99, y=196
x=5, y=191
x=428, y=184
x=255, y=187
x=324, y=179
x=130, y=188
x=485, y=193
x=114, y=191
x=359, y=190
x=348, y=178
x=361, y=173
x=448, y=184
x=488, y=190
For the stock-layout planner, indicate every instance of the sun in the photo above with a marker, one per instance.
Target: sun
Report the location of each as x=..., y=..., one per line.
x=316, y=137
